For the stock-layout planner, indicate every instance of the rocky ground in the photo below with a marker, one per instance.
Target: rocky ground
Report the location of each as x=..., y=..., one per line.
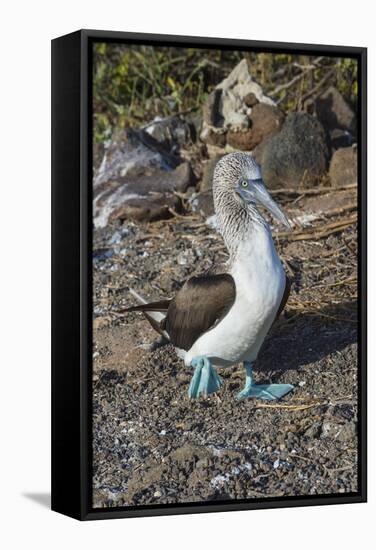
x=154, y=445
x=154, y=227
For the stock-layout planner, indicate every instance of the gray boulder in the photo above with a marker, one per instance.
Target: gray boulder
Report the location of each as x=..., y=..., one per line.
x=132, y=152
x=138, y=178
x=172, y=132
x=297, y=155
x=144, y=197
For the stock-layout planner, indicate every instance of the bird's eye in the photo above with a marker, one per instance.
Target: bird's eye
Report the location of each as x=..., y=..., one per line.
x=244, y=183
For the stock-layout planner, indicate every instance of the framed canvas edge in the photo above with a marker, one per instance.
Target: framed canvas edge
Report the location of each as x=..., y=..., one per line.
x=362, y=274
x=87, y=512
x=203, y=508
x=232, y=43
x=65, y=275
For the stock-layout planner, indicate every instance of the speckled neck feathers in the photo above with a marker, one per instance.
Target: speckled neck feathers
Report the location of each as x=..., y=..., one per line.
x=236, y=220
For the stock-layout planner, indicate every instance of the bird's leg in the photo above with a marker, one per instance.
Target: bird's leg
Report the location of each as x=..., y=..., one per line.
x=205, y=379
x=268, y=392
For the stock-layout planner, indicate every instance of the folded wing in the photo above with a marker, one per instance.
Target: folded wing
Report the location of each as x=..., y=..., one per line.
x=200, y=304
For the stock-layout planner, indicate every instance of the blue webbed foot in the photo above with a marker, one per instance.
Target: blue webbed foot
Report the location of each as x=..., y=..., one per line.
x=267, y=392
x=205, y=379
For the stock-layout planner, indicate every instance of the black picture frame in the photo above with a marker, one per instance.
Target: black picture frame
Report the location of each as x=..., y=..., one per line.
x=72, y=276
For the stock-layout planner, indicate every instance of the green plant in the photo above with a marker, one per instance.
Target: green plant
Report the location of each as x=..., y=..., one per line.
x=134, y=84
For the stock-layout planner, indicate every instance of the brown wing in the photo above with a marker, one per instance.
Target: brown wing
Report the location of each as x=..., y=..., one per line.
x=285, y=297
x=198, y=306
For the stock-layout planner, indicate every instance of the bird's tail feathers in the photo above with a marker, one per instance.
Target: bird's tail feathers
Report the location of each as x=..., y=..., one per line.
x=155, y=312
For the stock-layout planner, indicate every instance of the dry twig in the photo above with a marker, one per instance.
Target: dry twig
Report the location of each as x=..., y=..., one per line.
x=296, y=78
x=313, y=190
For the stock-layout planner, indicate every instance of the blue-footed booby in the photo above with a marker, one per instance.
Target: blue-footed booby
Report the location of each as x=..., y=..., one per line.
x=221, y=317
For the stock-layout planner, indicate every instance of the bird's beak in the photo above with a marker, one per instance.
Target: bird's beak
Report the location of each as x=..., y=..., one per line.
x=257, y=192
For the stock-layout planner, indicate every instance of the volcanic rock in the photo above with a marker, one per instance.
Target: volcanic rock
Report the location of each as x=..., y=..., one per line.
x=297, y=155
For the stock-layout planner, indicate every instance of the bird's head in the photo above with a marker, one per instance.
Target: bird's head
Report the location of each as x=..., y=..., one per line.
x=239, y=175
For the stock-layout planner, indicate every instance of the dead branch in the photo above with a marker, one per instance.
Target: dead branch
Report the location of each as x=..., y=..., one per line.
x=340, y=209
x=296, y=78
x=317, y=232
x=312, y=190
x=318, y=86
